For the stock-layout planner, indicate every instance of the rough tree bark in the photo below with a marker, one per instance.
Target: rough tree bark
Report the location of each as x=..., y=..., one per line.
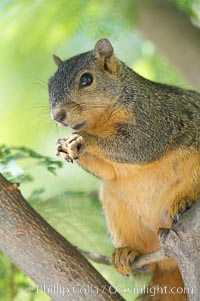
x=182, y=243
x=44, y=255
x=173, y=34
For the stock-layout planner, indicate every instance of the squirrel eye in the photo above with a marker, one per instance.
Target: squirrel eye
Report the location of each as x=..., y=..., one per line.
x=85, y=80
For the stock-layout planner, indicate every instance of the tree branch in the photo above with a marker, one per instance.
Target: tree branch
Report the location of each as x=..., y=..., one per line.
x=138, y=263
x=172, y=33
x=182, y=243
x=44, y=255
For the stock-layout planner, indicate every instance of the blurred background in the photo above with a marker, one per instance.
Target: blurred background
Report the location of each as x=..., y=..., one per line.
x=158, y=39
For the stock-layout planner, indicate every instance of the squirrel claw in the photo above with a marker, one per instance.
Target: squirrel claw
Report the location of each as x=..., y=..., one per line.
x=64, y=156
x=122, y=258
x=179, y=208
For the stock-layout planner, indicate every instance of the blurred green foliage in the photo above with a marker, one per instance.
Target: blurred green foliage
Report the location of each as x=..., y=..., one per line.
x=191, y=8
x=30, y=32
x=13, y=172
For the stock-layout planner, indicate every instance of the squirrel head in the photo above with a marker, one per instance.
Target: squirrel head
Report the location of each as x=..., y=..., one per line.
x=86, y=87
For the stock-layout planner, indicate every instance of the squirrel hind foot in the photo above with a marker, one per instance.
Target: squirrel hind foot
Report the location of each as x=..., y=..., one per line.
x=122, y=258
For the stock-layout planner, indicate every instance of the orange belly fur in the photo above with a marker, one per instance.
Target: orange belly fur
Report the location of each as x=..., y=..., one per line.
x=137, y=201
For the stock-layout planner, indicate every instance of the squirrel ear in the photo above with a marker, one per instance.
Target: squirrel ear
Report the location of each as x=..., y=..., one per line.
x=57, y=60
x=104, y=53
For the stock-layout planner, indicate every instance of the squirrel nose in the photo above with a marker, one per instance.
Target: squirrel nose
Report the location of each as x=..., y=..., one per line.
x=59, y=115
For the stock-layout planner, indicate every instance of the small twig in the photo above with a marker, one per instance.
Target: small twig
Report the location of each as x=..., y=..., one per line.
x=96, y=257
x=138, y=263
x=148, y=258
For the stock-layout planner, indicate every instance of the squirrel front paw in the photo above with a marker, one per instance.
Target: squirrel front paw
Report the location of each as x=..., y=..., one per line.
x=70, y=148
x=122, y=258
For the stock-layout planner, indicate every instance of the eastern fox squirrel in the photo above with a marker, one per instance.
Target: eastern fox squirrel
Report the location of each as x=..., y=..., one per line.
x=142, y=139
